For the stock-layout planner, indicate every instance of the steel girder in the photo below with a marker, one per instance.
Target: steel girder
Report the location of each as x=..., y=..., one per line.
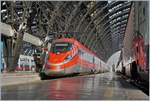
x=123, y=7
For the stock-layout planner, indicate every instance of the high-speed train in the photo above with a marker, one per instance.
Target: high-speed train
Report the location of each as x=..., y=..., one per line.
x=68, y=56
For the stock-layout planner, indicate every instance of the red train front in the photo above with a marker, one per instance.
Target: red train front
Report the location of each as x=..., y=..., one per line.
x=62, y=56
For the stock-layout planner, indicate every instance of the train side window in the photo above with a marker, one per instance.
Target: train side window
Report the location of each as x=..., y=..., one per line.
x=144, y=11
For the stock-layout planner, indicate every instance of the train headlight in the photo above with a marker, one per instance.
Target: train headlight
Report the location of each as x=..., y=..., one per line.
x=68, y=57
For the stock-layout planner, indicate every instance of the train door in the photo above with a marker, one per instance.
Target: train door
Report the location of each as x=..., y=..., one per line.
x=93, y=60
x=100, y=65
x=80, y=64
x=94, y=64
x=1, y=53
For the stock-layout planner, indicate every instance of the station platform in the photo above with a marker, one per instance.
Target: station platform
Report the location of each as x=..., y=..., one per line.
x=16, y=78
x=106, y=86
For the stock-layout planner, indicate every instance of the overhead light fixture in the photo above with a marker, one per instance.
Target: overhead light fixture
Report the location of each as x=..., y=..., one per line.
x=4, y=3
x=3, y=10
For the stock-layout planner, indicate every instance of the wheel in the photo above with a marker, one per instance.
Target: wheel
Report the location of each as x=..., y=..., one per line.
x=134, y=71
x=43, y=76
x=123, y=70
x=93, y=71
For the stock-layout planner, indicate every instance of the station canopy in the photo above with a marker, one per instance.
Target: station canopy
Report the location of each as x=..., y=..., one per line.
x=99, y=25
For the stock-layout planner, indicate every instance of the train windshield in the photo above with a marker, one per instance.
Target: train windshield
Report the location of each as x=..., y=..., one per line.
x=61, y=47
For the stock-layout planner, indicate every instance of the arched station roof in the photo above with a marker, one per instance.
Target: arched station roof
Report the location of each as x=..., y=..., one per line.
x=99, y=25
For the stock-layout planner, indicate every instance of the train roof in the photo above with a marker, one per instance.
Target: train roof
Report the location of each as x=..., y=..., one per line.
x=70, y=40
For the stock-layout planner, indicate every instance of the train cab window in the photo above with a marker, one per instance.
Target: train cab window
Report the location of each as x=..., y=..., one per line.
x=61, y=47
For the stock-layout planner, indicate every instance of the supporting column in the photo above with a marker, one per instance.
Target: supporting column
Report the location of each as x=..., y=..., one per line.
x=17, y=48
x=9, y=59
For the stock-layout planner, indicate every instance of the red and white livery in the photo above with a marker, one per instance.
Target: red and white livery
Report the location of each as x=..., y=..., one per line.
x=68, y=56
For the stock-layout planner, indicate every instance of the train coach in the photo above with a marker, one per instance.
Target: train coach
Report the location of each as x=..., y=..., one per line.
x=68, y=56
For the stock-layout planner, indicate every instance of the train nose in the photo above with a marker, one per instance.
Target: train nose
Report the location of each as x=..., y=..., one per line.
x=54, y=72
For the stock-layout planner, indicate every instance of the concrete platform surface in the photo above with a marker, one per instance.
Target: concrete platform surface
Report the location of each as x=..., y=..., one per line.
x=106, y=86
x=18, y=78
